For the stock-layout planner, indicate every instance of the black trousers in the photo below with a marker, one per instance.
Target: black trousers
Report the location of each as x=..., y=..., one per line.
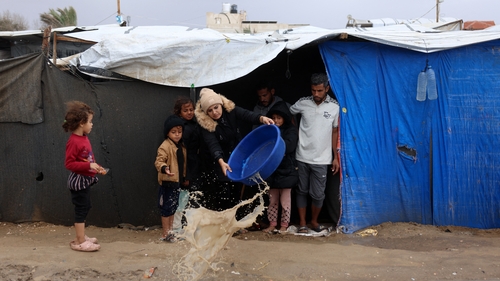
x=331, y=205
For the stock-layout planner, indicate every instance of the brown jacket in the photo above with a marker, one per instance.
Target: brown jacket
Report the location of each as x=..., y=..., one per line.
x=167, y=156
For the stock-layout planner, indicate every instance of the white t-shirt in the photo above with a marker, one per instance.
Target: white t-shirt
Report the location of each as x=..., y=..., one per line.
x=315, y=130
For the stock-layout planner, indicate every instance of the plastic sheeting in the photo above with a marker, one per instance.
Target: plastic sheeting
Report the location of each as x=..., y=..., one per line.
x=425, y=40
x=432, y=162
x=126, y=134
x=20, y=90
x=127, y=131
x=179, y=56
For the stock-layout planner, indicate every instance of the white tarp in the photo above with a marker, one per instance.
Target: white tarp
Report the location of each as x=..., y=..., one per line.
x=178, y=56
x=181, y=56
x=425, y=40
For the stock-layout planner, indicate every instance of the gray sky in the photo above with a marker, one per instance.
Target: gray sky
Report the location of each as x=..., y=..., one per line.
x=321, y=13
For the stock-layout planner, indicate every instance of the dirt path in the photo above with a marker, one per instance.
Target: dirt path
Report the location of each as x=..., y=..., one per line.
x=400, y=251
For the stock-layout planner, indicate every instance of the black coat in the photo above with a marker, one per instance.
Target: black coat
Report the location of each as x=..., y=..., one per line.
x=220, y=137
x=191, y=137
x=286, y=175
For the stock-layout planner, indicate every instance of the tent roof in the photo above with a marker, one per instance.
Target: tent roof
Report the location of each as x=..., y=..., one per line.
x=181, y=56
x=38, y=34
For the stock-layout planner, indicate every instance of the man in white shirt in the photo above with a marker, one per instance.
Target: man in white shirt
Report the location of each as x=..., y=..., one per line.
x=316, y=148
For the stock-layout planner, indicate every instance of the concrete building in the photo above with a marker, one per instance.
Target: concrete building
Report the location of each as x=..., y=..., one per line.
x=230, y=20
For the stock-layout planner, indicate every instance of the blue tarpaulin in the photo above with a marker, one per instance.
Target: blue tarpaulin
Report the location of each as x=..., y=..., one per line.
x=431, y=162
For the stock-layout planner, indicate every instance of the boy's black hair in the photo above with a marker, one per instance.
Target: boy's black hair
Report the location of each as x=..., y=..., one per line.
x=172, y=121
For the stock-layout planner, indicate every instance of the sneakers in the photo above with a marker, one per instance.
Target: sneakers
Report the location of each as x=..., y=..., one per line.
x=86, y=246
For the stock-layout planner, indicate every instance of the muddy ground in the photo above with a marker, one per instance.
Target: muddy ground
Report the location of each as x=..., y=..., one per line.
x=400, y=251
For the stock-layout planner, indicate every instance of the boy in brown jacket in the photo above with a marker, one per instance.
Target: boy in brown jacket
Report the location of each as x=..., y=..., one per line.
x=171, y=166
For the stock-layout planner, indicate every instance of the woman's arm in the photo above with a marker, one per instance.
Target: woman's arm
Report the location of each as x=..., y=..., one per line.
x=252, y=117
x=224, y=166
x=213, y=145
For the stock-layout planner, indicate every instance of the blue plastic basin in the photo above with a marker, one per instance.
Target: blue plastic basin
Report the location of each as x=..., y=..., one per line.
x=261, y=151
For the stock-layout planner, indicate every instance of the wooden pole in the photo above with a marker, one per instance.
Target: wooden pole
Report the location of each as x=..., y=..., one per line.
x=437, y=10
x=54, y=49
x=46, y=40
x=118, y=3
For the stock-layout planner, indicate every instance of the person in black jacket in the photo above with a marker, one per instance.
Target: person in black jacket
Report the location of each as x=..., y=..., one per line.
x=184, y=108
x=219, y=120
x=286, y=175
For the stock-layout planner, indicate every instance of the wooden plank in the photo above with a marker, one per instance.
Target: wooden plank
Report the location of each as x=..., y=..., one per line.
x=71, y=39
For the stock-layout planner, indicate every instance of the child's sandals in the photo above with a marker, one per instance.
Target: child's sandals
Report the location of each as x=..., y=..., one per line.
x=91, y=239
x=86, y=246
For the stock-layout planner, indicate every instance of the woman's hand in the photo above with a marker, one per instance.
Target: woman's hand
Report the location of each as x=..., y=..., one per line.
x=266, y=120
x=224, y=167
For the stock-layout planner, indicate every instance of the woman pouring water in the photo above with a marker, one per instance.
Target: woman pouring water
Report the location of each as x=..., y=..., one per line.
x=219, y=119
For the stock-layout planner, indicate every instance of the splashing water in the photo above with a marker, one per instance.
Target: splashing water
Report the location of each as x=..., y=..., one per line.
x=209, y=231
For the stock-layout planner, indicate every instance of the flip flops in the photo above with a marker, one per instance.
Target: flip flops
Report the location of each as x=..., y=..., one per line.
x=86, y=246
x=171, y=238
x=319, y=228
x=303, y=229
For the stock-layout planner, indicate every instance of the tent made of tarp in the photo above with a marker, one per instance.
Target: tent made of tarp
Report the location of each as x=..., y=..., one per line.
x=128, y=128
x=33, y=181
x=431, y=162
x=202, y=57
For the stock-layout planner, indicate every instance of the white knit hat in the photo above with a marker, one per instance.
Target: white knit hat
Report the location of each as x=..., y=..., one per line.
x=208, y=98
